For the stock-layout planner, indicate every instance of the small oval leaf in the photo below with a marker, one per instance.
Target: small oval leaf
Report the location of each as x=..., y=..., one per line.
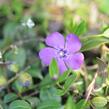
x=99, y=101
x=19, y=104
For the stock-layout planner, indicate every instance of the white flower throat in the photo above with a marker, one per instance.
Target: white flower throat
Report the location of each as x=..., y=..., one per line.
x=62, y=53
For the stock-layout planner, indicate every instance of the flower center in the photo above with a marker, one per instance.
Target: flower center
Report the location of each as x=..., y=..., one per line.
x=62, y=53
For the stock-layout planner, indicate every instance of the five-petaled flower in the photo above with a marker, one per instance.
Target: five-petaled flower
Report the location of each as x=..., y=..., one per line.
x=65, y=51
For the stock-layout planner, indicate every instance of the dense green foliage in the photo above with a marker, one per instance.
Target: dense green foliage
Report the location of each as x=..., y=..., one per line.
x=25, y=83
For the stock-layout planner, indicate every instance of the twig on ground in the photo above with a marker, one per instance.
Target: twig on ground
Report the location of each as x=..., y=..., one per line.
x=91, y=86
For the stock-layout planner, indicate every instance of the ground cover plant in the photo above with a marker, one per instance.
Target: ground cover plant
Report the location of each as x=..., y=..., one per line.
x=54, y=54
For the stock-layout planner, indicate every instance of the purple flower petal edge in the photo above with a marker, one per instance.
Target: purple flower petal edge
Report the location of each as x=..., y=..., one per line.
x=73, y=43
x=47, y=54
x=55, y=40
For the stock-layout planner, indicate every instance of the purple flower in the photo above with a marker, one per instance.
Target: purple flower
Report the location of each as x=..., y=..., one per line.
x=66, y=52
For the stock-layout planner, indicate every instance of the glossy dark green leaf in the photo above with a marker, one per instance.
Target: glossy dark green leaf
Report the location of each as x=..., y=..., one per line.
x=49, y=94
x=34, y=71
x=10, y=97
x=47, y=82
x=49, y=104
x=19, y=104
x=34, y=101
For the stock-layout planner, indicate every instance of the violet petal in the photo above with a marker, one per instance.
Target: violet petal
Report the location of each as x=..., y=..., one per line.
x=55, y=40
x=47, y=54
x=75, y=61
x=61, y=65
x=73, y=43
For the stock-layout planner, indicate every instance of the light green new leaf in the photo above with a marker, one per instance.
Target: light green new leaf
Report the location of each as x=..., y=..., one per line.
x=81, y=28
x=53, y=69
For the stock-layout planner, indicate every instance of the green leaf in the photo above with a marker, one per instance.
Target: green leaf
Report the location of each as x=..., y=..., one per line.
x=70, y=104
x=17, y=6
x=49, y=104
x=99, y=101
x=34, y=101
x=49, y=94
x=74, y=27
x=53, y=69
x=81, y=28
x=64, y=76
x=82, y=104
x=70, y=80
x=34, y=71
x=9, y=30
x=41, y=45
x=92, y=42
x=47, y=82
x=19, y=104
x=106, y=33
x=10, y=97
x=18, y=56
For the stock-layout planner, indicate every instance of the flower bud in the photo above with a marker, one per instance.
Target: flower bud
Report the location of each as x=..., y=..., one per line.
x=25, y=79
x=55, y=77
